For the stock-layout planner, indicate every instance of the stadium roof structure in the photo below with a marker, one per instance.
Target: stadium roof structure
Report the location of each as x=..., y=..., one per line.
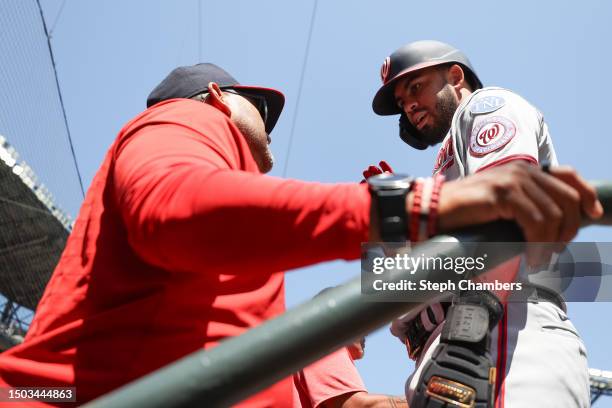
x=33, y=231
x=601, y=383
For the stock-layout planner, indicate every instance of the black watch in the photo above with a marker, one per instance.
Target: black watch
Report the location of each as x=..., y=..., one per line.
x=390, y=191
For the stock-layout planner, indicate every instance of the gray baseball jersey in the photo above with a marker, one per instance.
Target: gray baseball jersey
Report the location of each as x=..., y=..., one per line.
x=539, y=355
x=491, y=127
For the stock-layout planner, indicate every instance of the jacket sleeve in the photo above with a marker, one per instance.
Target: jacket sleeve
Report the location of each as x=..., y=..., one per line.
x=186, y=207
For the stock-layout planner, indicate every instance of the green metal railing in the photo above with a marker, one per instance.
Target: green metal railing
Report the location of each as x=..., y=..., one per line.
x=241, y=366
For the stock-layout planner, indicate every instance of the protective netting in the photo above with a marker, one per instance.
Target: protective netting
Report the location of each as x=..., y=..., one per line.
x=33, y=230
x=31, y=114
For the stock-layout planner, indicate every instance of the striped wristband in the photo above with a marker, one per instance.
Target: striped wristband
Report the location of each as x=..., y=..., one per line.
x=424, y=208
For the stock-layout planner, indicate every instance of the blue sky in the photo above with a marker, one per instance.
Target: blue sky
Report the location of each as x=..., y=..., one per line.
x=111, y=53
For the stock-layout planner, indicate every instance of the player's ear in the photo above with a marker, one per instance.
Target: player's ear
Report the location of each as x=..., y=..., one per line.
x=455, y=76
x=217, y=99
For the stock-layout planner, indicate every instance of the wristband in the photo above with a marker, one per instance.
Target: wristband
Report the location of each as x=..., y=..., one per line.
x=415, y=210
x=432, y=222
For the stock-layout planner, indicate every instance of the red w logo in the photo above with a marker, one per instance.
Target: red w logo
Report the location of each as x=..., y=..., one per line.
x=488, y=134
x=384, y=70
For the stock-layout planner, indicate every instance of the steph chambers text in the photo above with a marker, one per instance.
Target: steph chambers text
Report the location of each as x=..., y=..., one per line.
x=425, y=285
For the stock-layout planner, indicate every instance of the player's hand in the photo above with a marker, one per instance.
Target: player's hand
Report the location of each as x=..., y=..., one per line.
x=548, y=207
x=373, y=170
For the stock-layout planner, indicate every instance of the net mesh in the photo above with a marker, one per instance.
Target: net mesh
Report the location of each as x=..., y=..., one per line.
x=33, y=229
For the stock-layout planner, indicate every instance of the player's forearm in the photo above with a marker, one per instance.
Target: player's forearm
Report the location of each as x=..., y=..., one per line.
x=547, y=207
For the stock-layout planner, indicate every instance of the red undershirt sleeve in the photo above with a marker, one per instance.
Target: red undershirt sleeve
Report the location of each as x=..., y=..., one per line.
x=328, y=378
x=187, y=209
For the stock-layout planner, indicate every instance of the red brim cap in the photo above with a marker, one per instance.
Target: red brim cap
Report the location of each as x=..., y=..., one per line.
x=188, y=81
x=275, y=100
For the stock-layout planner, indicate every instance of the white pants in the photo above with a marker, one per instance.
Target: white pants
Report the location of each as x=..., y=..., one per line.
x=540, y=358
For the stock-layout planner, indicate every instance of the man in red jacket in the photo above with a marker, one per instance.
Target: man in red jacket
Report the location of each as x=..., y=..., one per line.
x=181, y=240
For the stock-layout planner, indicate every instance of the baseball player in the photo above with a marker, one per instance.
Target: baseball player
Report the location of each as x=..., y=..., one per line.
x=539, y=357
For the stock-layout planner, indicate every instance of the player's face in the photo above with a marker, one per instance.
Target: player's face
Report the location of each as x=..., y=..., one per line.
x=429, y=102
x=248, y=119
x=357, y=348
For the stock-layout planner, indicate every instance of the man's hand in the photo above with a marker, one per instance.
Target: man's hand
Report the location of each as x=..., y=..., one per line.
x=548, y=207
x=373, y=170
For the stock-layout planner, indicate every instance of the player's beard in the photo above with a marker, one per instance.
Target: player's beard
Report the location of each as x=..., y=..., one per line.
x=446, y=105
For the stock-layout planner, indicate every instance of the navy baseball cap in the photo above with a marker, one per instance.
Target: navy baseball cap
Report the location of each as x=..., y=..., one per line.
x=186, y=82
